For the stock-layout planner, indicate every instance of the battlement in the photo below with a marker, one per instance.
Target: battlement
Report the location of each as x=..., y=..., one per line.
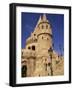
x=28, y=53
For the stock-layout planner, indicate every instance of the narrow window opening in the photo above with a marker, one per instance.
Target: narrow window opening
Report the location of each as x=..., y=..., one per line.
x=34, y=34
x=42, y=27
x=46, y=26
x=22, y=53
x=45, y=67
x=42, y=37
x=24, y=71
x=33, y=47
x=49, y=64
x=29, y=48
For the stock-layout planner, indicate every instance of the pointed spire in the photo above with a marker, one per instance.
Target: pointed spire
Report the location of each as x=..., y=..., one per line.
x=44, y=17
x=38, y=22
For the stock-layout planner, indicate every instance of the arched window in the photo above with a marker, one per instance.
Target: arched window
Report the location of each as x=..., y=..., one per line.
x=46, y=26
x=33, y=47
x=45, y=67
x=29, y=47
x=45, y=60
x=24, y=71
x=49, y=64
x=42, y=37
x=42, y=27
x=34, y=34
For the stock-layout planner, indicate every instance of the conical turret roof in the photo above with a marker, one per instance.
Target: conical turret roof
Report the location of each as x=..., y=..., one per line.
x=38, y=29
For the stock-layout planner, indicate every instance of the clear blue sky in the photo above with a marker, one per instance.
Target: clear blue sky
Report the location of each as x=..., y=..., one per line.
x=29, y=21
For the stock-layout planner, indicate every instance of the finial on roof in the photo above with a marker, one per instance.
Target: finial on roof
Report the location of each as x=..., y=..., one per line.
x=44, y=17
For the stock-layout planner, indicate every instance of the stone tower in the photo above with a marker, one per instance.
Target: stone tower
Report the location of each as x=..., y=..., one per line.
x=38, y=57
x=44, y=35
x=44, y=43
